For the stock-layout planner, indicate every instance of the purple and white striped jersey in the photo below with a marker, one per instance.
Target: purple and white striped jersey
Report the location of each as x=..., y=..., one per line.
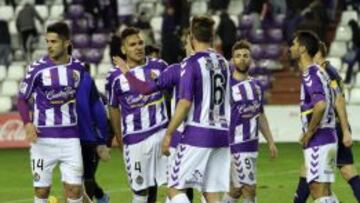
x=315, y=87
x=53, y=90
x=246, y=107
x=205, y=82
x=141, y=115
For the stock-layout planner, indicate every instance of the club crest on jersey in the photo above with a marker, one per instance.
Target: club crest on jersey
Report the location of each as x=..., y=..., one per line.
x=139, y=180
x=36, y=177
x=76, y=78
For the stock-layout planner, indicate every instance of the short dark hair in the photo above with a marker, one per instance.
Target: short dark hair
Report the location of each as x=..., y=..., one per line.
x=323, y=49
x=242, y=44
x=60, y=28
x=202, y=28
x=128, y=32
x=149, y=49
x=309, y=40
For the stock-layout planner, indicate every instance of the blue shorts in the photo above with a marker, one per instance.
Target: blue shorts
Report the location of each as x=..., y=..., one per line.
x=345, y=155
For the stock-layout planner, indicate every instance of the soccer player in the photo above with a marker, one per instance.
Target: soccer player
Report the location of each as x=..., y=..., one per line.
x=49, y=90
x=143, y=118
x=345, y=160
x=247, y=117
x=318, y=118
x=94, y=134
x=202, y=159
x=168, y=80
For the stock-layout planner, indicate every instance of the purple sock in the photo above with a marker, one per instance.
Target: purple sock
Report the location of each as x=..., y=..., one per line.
x=354, y=182
x=302, y=191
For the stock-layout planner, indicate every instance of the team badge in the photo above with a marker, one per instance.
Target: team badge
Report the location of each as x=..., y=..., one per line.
x=36, y=177
x=139, y=180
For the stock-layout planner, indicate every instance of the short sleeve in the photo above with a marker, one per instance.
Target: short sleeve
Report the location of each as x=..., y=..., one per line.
x=187, y=82
x=168, y=78
x=28, y=84
x=315, y=88
x=112, y=88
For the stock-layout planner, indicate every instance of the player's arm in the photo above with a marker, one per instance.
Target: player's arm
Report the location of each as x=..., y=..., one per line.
x=115, y=121
x=266, y=132
x=317, y=115
x=181, y=111
x=340, y=106
x=26, y=88
x=182, y=107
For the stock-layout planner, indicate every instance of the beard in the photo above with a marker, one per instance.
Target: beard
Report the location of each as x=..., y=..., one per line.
x=243, y=69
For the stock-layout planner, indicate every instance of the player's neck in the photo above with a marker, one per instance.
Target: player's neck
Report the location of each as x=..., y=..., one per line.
x=198, y=47
x=305, y=62
x=240, y=76
x=133, y=64
x=61, y=60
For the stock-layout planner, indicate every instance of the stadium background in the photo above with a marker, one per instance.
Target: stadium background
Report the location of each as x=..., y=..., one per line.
x=96, y=25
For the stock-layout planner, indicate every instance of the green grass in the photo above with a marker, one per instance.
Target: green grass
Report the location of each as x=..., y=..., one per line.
x=277, y=179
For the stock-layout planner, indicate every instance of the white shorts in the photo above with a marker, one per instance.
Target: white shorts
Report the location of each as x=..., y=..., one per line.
x=206, y=169
x=46, y=153
x=320, y=163
x=243, y=169
x=145, y=165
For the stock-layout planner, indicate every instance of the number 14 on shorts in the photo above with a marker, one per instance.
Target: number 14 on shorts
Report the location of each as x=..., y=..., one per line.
x=37, y=163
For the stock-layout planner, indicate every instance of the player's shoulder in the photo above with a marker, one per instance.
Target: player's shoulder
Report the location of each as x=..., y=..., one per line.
x=113, y=73
x=38, y=65
x=312, y=72
x=157, y=62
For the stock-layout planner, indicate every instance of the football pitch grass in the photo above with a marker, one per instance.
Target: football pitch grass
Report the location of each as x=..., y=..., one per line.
x=276, y=179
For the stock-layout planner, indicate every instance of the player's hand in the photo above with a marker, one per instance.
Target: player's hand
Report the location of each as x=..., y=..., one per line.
x=305, y=138
x=119, y=141
x=165, y=146
x=103, y=152
x=273, y=150
x=31, y=132
x=347, y=140
x=120, y=63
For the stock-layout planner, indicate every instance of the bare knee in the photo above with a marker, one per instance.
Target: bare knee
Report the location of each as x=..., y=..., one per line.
x=318, y=190
x=172, y=192
x=42, y=192
x=235, y=193
x=348, y=172
x=249, y=191
x=211, y=197
x=73, y=191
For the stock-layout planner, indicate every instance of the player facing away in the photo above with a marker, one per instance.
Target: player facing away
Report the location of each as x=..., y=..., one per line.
x=168, y=80
x=345, y=161
x=49, y=92
x=318, y=119
x=143, y=118
x=202, y=158
x=247, y=118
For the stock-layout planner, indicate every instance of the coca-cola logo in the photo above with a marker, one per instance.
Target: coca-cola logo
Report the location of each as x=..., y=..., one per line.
x=12, y=130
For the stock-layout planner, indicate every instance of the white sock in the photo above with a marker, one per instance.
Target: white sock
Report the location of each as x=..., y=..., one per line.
x=180, y=198
x=333, y=195
x=327, y=199
x=80, y=200
x=228, y=199
x=167, y=200
x=139, y=199
x=38, y=200
x=249, y=200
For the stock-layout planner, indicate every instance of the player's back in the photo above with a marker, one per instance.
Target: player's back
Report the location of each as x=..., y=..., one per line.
x=205, y=82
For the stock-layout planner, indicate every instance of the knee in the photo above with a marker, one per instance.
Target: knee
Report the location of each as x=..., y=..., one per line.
x=73, y=191
x=171, y=192
x=249, y=191
x=347, y=172
x=42, y=192
x=318, y=190
x=235, y=193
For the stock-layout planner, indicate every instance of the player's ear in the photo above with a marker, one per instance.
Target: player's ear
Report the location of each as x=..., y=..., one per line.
x=123, y=49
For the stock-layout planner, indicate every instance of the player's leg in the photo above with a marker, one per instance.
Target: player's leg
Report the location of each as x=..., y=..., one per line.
x=152, y=194
x=187, y=170
x=217, y=179
x=71, y=168
x=302, y=191
x=320, y=163
x=88, y=155
x=345, y=162
x=43, y=159
x=249, y=193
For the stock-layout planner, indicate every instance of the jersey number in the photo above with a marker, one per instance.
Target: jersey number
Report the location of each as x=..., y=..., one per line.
x=138, y=166
x=39, y=163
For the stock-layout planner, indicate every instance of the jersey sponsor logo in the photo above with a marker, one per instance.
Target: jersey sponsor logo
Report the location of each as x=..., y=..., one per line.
x=68, y=92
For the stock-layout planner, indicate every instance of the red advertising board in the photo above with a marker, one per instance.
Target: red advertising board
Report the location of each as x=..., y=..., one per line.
x=12, y=133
